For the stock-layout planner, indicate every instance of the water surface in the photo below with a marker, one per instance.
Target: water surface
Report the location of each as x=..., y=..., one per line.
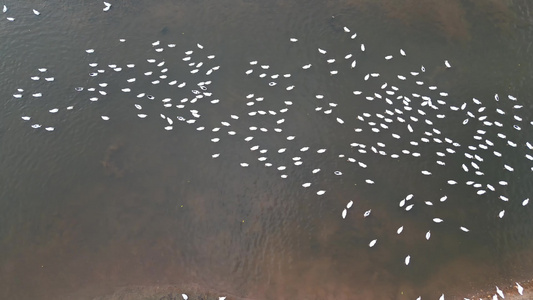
x=96, y=205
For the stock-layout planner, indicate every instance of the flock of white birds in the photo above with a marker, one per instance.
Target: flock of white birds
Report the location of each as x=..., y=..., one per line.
x=411, y=122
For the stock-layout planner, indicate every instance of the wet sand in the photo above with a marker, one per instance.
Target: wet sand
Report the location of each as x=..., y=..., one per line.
x=174, y=292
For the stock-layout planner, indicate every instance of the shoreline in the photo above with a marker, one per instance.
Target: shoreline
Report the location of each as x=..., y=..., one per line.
x=194, y=292
x=510, y=292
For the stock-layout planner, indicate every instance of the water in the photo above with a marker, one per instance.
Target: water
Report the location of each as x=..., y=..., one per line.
x=97, y=205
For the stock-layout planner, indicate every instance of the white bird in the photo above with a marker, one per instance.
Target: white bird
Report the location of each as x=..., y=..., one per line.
x=184, y=296
x=367, y=213
x=447, y=64
x=306, y=185
x=294, y=40
x=525, y=202
x=399, y=230
x=349, y=205
x=322, y=51
x=464, y=229
x=363, y=47
x=321, y=192
x=372, y=243
x=244, y=165
x=89, y=50
x=402, y=52
x=36, y=12
x=441, y=297
x=4, y=9
x=437, y=220
x=500, y=292
x=344, y=212
x=402, y=203
x=501, y=214
x=428, y=235
x=306, y=66
x=407, y=260
x=105, y=118
x=520, y=289
x=54, y=110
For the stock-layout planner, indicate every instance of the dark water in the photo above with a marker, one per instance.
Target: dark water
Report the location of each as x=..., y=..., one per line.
x=96, y=205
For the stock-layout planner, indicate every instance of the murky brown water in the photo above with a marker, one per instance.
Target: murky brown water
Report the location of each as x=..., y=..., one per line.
x=96, y=206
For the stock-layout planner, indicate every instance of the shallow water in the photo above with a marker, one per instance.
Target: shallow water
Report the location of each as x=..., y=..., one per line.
x=96, y=205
